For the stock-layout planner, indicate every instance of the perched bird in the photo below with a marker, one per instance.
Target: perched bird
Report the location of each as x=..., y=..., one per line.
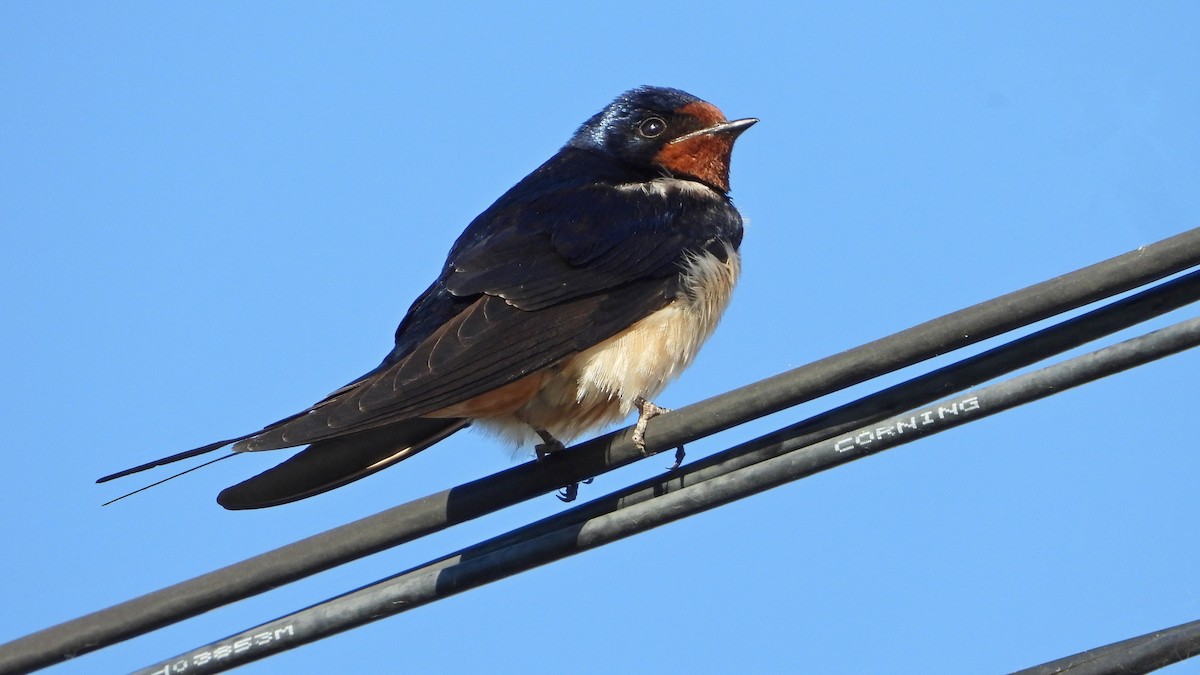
x=567, y=304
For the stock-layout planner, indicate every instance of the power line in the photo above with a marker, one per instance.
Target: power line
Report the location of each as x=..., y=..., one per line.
x=1134, y=656
x=918, y=391
x=438, y=511
x=561, y=537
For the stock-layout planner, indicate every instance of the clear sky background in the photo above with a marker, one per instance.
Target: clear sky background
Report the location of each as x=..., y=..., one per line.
x=215, y=213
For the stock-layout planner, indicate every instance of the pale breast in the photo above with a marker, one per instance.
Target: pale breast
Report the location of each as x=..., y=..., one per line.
x=598, y=386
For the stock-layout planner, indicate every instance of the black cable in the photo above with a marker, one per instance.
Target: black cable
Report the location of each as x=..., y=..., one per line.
x=446, y=577
x=1142, y=654
x=438, y=511
x=917, y=391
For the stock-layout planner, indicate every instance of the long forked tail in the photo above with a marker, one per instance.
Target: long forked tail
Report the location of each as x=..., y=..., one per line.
x=168, y=478
x=320, y=467
x=187, y=454
x=334, y=462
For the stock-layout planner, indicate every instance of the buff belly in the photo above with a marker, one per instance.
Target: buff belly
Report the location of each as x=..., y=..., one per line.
x=598, y=386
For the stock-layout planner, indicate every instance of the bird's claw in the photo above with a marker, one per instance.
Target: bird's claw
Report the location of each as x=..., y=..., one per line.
x=544, y=450
x=568, y=493
x=679, y=455
x=548, y=445
x=646, y=412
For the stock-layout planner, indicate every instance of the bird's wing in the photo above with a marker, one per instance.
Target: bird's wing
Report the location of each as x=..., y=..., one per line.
x=523, y=288
x=332, y=463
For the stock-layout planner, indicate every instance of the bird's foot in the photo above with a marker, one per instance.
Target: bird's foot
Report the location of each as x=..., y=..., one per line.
x=679, y=455
x=548, y=445
x=568, y=493
x=646, y=412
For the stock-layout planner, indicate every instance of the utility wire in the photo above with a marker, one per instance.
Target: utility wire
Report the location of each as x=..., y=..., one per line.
x=438, y=511
x=795, y=460
x=1142, y=654
x=926, y=388
x=917, y=391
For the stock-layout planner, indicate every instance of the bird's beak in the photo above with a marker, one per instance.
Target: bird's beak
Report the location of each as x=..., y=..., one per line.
x=732, y=129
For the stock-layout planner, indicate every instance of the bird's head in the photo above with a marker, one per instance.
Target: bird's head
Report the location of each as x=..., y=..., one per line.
x=666, y=131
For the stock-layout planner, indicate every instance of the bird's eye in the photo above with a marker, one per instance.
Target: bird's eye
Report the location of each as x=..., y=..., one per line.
x=652, y=127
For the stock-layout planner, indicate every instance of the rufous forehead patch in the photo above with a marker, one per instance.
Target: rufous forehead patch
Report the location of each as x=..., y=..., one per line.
x=703, y=111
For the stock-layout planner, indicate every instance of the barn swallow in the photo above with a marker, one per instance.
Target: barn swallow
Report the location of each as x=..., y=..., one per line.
x=564, y=306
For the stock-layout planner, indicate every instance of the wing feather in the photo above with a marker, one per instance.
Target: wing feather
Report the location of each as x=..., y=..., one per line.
x=564, y=260
x=553, y=267
x=445, y=369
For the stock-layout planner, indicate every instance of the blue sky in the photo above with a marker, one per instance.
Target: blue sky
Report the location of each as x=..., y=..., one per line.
x=215, y=213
